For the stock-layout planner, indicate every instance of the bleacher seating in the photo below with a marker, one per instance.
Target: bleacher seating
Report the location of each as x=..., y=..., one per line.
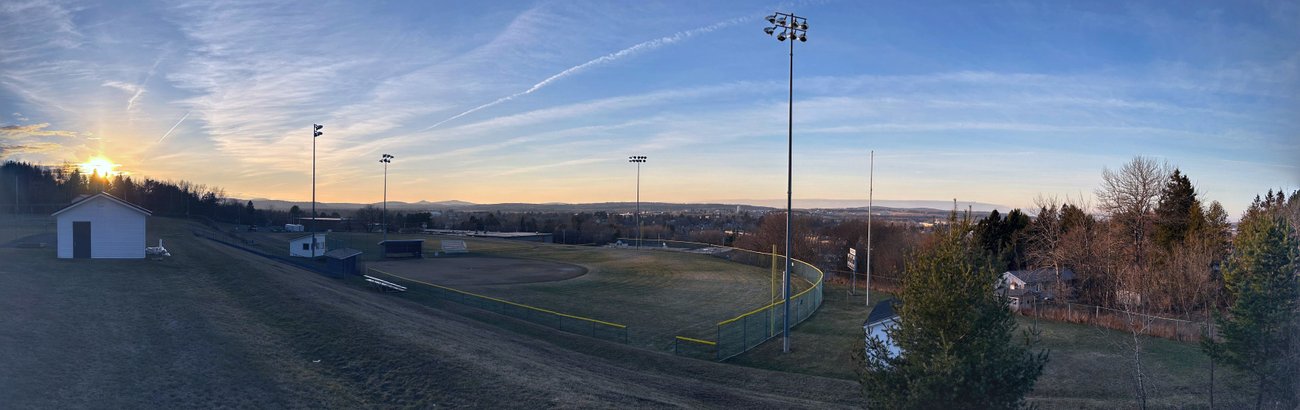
x=451, y=246
x=383, y=285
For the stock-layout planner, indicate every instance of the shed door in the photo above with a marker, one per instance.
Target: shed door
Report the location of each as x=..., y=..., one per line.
x=81, y=239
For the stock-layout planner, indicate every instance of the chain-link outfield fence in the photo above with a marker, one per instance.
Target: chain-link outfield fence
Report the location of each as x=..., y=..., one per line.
x=585, y=326
x=1117, y=319
x=746, y=331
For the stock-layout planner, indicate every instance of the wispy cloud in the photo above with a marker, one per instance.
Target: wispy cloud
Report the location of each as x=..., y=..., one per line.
x=639, y=47
x=561, y=164
x=134, y=89
x=7, y=150
x=34, y=130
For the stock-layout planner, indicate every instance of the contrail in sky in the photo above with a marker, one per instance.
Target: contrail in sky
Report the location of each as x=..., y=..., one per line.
x=178, y=123
x=648, y=45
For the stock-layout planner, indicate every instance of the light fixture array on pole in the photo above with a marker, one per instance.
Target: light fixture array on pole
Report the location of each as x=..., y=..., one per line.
x=789, y=27
x=315, y=132
x=638, y=159
x=386, y=159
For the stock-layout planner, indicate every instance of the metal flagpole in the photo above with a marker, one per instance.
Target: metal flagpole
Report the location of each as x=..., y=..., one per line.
x=871, y=191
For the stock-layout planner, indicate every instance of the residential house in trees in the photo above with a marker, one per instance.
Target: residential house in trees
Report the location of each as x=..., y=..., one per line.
x=1025, y=287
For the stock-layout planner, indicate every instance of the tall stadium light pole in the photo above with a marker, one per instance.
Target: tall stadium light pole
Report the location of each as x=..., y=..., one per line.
x=315, y=132
x=790, y=27
x=638, y=159
x=386, y=159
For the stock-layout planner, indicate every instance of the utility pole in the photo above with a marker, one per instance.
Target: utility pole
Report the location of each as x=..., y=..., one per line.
x=871, y=191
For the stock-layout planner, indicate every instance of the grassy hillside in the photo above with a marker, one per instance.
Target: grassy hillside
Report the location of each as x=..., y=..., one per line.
x=215, y=327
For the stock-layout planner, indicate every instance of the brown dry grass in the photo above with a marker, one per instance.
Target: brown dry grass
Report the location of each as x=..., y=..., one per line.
x=1183, y=331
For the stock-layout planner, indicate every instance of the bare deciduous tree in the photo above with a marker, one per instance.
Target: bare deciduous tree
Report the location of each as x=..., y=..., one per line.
x=1129, y=196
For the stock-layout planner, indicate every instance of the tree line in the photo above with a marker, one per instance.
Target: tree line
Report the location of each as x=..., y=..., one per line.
x=1154, y=245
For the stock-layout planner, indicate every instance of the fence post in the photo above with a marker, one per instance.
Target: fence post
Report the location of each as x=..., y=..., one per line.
x=718, y=346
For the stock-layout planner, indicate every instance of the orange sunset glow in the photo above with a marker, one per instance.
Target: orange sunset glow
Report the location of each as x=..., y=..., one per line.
x=99, y=165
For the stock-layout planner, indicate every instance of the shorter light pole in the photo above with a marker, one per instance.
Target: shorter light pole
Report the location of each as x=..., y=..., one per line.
x=315, y=133
x=638, y=159
x=386, y=159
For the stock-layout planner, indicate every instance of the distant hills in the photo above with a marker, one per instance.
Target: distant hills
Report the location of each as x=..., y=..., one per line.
x=884, y=203
x=729, y=205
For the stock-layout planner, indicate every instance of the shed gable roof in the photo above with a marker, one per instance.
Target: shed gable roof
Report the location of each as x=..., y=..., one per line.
x=85, y=200
x=342, y=253
x=307, y=236
x=1041, y=275
x=883, y=310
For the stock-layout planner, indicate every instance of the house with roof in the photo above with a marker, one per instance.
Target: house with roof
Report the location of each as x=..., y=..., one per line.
x=883, y=316
x=1025, y=287
x=101, y=226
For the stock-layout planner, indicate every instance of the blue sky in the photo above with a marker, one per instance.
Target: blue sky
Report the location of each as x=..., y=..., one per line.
x=995, y=102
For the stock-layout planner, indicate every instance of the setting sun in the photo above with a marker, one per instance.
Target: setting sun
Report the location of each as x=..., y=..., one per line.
x=99, y=165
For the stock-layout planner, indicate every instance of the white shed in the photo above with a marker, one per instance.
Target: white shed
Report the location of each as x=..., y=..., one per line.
x=101, y=226
x=881, y=318
x=301, y=246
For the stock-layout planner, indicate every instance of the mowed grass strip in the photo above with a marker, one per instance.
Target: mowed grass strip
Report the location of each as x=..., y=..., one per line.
x=1089, y=367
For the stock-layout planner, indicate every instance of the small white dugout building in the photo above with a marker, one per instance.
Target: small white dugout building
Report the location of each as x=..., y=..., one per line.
x=301, y=246
x=101, y=226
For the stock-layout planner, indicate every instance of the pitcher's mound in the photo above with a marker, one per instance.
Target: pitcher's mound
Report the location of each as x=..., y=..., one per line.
x=480, y=270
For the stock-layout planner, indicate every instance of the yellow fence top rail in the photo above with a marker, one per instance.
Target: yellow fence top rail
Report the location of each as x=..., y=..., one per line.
x=503, y=301
x=820, y=275
x=703, y=342
x=819, y=279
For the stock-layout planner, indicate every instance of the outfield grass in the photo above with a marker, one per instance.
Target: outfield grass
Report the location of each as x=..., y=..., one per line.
x=658, y=294
x=1088, y=367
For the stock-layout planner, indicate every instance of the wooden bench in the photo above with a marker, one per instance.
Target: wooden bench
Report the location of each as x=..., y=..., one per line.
x=383, y=285
x=450, y=246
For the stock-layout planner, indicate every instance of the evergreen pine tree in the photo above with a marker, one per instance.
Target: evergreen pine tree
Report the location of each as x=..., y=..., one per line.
x=956, y=335
x=1258, y=333
x=1173, y=213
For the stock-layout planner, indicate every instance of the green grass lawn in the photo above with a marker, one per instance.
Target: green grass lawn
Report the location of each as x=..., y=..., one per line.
x=1088, y=367
x=821, y=345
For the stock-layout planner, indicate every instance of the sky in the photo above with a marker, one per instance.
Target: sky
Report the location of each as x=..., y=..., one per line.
x=995, y=102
